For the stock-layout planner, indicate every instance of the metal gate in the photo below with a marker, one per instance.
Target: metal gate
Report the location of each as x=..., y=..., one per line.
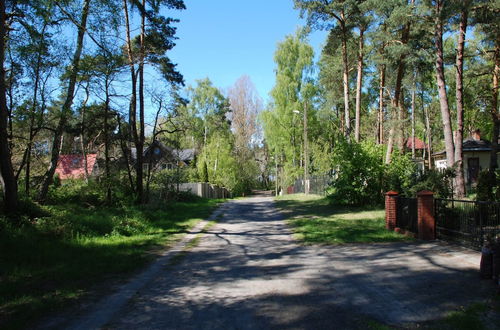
x=467, y=223
x=407, y=217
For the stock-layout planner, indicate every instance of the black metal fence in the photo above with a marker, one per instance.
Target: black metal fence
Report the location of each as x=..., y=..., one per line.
x=407, y=217
x=466, y=222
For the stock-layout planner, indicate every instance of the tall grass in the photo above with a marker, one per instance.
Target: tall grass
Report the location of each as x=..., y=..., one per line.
x=59, y=256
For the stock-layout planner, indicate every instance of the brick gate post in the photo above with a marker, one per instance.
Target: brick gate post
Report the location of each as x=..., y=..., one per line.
x=390, y=209
x=426, y=219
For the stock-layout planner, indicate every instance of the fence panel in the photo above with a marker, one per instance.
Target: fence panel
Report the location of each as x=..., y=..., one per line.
x=317, y=185
x=466, y=222
x=407, y=216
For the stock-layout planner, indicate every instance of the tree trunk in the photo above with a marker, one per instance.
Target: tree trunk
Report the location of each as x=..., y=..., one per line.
x=138, y=187
x=66, y=108
x=82, y=138
x=359, y=84
x=441, y=82
x=413, y=101
x=395, y=102
x=107, y=162
x=139, y=143
x=381, y=106
x=8, y=180
x=345, y=79
x=495, y=114
x=459, y=179
x=429, y=137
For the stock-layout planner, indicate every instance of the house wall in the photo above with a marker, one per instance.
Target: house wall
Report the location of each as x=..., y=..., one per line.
x=484, y=161
x=483, y=156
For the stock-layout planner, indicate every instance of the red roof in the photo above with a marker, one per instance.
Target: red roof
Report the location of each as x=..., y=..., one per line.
x=419, y=144
x=73, y=166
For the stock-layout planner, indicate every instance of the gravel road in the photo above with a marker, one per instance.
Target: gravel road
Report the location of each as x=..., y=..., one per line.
x=247, y=272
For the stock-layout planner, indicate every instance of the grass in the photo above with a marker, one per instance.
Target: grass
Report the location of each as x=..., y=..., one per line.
x=59, y=258
x=316, y=221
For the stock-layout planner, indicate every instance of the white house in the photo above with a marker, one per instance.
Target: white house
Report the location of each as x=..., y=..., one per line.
x=476, y=157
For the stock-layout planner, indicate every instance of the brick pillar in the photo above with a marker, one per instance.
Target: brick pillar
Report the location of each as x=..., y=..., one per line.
x=426, y=220
x=390, y=209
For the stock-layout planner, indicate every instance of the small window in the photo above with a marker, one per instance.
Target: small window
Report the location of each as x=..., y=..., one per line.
x=163, y=166
x=145, y=167
x=157, y=151
x=170, y=166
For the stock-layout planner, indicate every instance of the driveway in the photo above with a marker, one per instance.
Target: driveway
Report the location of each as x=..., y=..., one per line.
x=248, y=273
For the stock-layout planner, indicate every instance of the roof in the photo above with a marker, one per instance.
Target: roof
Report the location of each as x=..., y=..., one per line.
x=419, y=144
x=184, y=154
x=471, y=145
x=167, y=151
x=476, y=145
x=73, y=166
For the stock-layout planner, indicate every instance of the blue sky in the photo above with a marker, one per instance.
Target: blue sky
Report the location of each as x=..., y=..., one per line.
x=225, y=39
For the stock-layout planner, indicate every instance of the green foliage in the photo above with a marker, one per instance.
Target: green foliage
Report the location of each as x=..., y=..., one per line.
x=401, y=174
x=358, y=174
x=220, y=165
x=488, y=186
x=77, y=191
x=440, y=182
x=59, y=256
x=293, y=92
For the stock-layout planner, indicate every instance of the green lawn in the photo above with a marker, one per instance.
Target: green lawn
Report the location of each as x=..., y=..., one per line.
x=316, y=221
x=60, y=257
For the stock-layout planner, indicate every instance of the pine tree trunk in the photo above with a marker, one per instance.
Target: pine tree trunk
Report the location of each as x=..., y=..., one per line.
x=395, y=102
x=7, y=178
x=137, y=187
x=345, y=79
x=359, y=83
x=495, y=114
x=459, y=179
x=107, y=162
x=441, y=82
x=413, y=103
x=139, y=144
x=66, y=108
x=381, y=106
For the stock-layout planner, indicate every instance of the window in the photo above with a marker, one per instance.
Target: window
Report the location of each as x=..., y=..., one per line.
x=145, y=167
x=170, y=166
x=163, y=166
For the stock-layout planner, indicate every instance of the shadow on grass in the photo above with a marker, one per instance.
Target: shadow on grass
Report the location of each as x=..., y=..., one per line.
x=316, y=221
x=57, y=259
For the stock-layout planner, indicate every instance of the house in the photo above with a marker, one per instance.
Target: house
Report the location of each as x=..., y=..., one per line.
x=476, y=157
x=420, y=148
x=73, y=166
x=163, y=157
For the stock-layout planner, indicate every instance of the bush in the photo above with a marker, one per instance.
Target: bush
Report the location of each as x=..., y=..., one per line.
x=358, y=171
x=440, y=182
x=488, y=186
x=77, y=191
x=401, y=174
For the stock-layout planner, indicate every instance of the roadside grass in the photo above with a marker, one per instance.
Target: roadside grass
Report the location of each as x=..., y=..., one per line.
x=315, y=220
x=60, y=257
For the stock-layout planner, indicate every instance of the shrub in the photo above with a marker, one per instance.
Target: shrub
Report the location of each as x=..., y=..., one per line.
x=401, y=174
x=488, y=186
x=359, y=171
x=438, y=181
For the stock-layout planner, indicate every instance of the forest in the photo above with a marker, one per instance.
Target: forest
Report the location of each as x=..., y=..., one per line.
x=94, y=77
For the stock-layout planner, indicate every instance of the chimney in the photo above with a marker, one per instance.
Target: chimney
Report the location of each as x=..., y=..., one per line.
x=476, y=135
